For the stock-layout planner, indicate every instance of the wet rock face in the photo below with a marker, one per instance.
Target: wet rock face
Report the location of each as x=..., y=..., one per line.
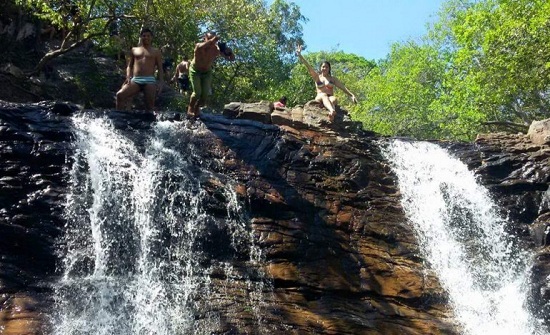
x=34, y=144
x=323, y=206
x=516, y=168
x=517, y=171
x=326, y=210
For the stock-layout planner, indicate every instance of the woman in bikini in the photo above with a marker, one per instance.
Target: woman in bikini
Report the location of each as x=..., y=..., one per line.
x=324, y=83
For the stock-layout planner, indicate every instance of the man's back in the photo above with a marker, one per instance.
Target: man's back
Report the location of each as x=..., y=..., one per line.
x=183, y=67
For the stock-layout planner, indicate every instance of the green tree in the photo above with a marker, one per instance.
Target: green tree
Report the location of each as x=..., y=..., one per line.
x=499, y=71
x=79, y=20
x=489, y=70
x=400, y=93
x=263, y=39
x=260, y=36
x=516, y=67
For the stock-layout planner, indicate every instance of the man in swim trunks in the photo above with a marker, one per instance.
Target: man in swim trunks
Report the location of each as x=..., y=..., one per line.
x=140, y=73
x=182, y=75
x=200, y=71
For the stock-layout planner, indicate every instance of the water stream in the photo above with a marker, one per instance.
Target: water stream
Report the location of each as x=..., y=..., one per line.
x=134, y=253
x=462, y=236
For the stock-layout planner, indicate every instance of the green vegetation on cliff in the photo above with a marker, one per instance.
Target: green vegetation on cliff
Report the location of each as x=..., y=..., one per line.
x=483, y=66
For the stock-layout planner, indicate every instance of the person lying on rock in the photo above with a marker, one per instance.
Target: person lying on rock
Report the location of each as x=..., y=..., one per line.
x=200, y=71
x=140, y=73
x=281, y=103
x=324, y=85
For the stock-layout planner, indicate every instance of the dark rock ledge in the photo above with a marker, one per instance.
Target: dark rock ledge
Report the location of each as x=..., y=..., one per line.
x=322, y=203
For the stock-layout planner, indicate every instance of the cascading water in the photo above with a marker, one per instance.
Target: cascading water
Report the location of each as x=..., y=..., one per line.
x=462, y=237
x=133, y=262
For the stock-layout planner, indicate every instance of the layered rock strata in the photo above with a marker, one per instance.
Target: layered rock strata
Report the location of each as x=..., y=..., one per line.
x=322, y=203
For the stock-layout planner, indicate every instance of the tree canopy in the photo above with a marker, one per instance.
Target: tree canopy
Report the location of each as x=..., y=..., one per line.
x=263, y=37
x=484, y=65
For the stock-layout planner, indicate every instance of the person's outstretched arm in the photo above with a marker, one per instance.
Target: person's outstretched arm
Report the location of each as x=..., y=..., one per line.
x=343, y=87
x=208, y=41
x=310, y=69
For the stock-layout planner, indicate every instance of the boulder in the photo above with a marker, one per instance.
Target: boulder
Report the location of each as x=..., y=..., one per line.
x=311, y=115
x=258, y=111
x=539, y=132
x=282, y=117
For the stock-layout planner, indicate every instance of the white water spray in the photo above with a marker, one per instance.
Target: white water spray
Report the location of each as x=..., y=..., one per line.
x=463, y=239
x=131, y=253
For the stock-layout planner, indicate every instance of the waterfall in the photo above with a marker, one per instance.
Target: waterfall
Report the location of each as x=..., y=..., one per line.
x=462, y=237
x=135, y=258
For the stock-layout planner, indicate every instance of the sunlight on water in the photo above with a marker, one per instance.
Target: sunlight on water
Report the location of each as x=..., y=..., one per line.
x=132, y=257
x=463, y=239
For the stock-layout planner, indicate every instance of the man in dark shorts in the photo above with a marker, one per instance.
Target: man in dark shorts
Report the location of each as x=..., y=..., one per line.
x=182, y=76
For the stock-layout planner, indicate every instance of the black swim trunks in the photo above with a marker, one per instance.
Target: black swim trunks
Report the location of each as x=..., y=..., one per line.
x=184, y=82
x=167, y=64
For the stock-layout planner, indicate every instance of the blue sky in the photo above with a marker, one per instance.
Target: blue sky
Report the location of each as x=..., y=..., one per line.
x=364, y=27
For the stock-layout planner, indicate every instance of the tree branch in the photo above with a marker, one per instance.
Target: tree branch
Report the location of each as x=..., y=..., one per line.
x=63, y=49
x=508, y=125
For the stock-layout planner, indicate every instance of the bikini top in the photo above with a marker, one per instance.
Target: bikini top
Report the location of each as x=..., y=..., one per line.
x=320, y=84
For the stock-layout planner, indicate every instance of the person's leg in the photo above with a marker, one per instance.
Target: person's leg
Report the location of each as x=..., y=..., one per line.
x=195, y=80
x=206, y=82
x=126, y=92
x=334, y=102
x=192, y=102
x=150, y=92
x=325, y=100
x=185, y=85
x=181, y=86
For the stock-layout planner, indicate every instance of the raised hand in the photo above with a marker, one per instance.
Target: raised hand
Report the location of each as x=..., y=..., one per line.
x=299, y=50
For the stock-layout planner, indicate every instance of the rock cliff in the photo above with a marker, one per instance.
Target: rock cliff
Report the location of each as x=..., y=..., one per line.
x=322, y=203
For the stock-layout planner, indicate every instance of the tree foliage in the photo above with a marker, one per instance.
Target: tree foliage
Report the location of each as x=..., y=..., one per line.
x=263, y=37
x=79, y=21
x=484, y=65
x=401, y=90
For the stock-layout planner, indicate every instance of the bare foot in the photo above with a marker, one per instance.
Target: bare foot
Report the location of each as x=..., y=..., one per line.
x=191, y=115
x=331, y=116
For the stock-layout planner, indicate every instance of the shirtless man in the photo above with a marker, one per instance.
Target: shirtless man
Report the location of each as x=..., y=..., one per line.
x=200, y=71
x=182, y=75
x=140, y=73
